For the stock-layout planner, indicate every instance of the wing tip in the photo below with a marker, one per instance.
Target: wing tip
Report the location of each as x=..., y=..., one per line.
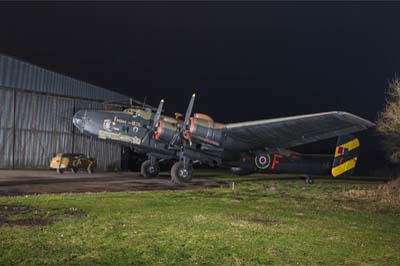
x=360, y=121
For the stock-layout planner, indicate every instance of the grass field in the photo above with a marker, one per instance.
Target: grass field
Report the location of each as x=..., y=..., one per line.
x=265, y=222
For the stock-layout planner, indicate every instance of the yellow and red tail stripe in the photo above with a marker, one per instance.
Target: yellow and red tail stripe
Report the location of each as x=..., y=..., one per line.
x=346, y=153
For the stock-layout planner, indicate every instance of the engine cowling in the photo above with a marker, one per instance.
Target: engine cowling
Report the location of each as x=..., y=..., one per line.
x=205, y=130
x=166, y=131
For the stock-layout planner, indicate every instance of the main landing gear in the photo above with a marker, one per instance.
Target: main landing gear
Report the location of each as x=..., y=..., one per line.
x=181, y=172
x=150, y=168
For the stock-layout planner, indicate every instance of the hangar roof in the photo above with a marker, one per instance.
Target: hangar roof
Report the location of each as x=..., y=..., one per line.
x=18, y=74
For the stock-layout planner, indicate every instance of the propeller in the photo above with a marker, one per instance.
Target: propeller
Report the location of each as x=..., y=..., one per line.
x=189, y=113
x=183, y=131
x=157, y=116
x=156, y=121
x=186, y=123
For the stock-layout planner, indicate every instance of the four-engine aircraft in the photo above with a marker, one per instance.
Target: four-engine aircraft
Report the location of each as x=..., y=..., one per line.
x=245, y=147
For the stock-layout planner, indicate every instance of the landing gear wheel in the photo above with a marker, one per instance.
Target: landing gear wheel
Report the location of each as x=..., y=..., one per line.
x=60, y=171
x=309, y=180
x=180, y=174
x=148, y=169
x=74, y=170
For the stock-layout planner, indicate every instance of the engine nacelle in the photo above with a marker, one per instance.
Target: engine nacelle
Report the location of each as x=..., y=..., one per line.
x=166, y=131
x=205, y=130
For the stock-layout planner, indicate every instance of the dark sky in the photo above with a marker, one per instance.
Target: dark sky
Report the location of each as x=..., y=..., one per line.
x=244, y=60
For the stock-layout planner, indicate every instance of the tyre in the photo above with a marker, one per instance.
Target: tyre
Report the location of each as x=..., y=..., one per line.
x=60, y=171
x=179, y=174
x=309, y=180
x=149, y=170
x=74, y=170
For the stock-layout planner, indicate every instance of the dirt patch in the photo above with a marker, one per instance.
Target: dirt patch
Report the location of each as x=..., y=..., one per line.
x=298, y=197
x=23, y=215
x=388, y=193
x=14, y=209
x=262, y=220
x=237, y=198
x=16, y=182
x=74, y=212
x=33, y=221
x=257, y=219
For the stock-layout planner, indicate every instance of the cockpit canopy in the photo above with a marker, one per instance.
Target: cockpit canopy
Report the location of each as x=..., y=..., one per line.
x=203, y=116
x=146, y=113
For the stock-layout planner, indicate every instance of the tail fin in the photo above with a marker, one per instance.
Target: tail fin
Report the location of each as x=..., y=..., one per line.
x=346, y=154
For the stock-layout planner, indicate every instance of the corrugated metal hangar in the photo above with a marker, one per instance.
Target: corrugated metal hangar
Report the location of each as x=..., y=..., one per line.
x=36, y=110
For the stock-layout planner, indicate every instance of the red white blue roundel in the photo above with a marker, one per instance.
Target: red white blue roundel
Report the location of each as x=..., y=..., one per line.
x=262, y=161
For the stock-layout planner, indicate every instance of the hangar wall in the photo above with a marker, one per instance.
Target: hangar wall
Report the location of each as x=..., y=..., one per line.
x=15, y=73
x=36, y=117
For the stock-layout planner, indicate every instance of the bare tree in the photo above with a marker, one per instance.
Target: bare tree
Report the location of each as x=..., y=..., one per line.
x=388, y=122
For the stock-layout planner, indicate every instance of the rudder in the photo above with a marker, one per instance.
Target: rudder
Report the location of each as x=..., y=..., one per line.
x=345, y=158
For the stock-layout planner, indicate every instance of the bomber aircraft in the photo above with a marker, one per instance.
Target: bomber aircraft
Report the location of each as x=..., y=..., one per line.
x=245, y=147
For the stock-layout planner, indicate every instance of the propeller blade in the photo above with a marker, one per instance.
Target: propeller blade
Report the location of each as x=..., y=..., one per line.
x=156, y=119
x=189, y=112
x=158, y=114
x=145, y=136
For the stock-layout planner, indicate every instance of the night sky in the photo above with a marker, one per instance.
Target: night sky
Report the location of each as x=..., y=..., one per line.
x=245, y=61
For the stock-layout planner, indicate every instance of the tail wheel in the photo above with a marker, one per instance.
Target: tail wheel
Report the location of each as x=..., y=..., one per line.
x=180, y=174
x=148, y=169
x=309, y=180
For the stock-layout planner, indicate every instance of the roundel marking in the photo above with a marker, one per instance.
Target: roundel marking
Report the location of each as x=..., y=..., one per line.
x=262, y=161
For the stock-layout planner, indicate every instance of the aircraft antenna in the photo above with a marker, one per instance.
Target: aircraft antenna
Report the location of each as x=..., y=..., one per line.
x=144, y=101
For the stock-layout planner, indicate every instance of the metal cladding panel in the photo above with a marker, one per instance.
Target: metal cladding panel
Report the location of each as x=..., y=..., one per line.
x=6, y=148
x=6, y=128
x=82, y=104
x=44, y=127
x=64, y=142
x=6, y=108
x=5, y=71
x=43, y=123
x=12, y=78
x=34, y=112
x=44, y=113
x=18, y=74
x=108, y=154
x=35, y=149
x=64, y=114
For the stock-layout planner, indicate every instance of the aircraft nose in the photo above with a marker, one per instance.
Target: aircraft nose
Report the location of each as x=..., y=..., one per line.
x=79, y=119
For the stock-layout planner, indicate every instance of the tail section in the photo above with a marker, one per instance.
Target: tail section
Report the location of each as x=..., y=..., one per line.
x=346, y=154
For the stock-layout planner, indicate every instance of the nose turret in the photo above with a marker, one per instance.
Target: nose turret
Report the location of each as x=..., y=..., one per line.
x=79, y=119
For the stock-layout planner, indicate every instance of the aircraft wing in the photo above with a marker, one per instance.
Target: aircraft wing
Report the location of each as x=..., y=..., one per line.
x=292, y=131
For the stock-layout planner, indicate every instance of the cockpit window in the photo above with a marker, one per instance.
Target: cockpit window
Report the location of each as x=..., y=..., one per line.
x=146, y=114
